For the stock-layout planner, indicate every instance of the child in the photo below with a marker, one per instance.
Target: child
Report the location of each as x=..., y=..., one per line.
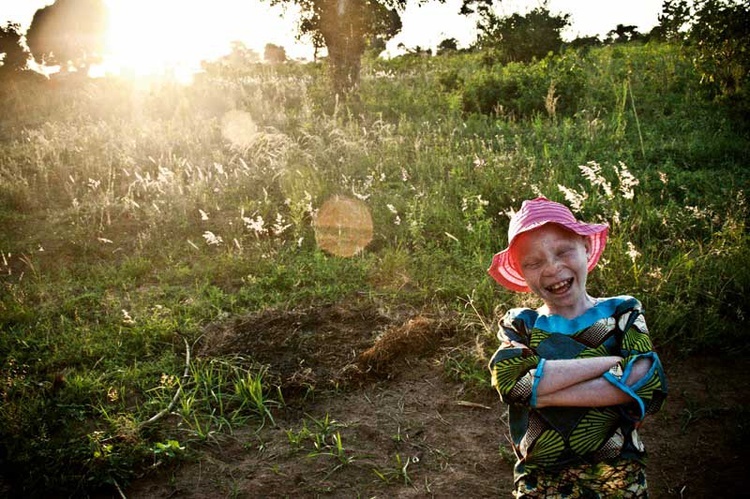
x=579, y=373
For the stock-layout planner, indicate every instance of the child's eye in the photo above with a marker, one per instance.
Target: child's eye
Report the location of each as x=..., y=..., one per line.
x=531, y=265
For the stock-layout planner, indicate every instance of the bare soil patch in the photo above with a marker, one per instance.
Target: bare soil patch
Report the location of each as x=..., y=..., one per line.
x=379, y=383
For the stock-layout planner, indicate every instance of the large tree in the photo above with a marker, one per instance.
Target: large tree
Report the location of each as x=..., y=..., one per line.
x=345, y=28
x=12, y=53
x=69, y=33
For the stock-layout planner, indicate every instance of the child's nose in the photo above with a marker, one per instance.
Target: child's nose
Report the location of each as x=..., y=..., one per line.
x=552, y=266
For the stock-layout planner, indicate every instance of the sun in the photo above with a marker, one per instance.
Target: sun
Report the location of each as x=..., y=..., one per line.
x=146, y=37
x=158, y=36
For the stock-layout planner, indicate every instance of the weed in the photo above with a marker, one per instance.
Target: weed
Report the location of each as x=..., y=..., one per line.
x=169, y=449
x=398, y=472
x=250, y=391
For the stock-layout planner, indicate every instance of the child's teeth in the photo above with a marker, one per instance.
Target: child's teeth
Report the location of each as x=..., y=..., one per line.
x=559, y=286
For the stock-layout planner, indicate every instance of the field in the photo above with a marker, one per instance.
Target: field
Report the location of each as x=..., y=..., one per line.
x=184, y=314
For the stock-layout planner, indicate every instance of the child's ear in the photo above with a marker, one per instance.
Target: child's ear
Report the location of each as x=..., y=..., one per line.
x=587, y=245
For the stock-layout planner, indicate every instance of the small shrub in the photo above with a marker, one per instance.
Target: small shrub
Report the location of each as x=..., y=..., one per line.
x=522, y=90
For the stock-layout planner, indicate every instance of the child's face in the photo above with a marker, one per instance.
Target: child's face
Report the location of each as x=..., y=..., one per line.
x=554, y=263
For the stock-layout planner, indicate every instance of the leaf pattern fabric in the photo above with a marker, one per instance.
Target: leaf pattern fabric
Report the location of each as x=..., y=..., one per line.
x=555, y=439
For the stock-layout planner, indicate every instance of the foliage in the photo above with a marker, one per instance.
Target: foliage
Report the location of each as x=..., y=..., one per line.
x=522, y=38
x=68, y=33
x=274, y=54
x=720, y=32
x=673, y=20
x=549, y=86
x=14, y=55
x=717, y=34
x=448, y=45
x=624, y=33
x=133, y=218
x=345, y=27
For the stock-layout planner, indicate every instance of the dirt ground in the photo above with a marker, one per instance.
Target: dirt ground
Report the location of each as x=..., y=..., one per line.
x=375, y=406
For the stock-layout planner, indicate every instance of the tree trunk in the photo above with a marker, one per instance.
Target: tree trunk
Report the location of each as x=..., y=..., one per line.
x=343, y=30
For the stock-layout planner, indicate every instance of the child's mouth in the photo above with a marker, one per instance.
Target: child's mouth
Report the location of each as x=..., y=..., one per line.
x=560, y=287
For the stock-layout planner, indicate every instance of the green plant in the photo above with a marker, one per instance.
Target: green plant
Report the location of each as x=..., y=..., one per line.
x=334, y=448
x=170, y=449
x=400, y=470
x=297, y=439
x=249, y=389
x=523, y=90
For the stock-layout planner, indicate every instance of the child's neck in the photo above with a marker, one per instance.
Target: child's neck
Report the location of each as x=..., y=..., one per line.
x=572, y=311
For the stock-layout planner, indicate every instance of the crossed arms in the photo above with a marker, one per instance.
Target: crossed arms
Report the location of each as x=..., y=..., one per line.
x=579, y=382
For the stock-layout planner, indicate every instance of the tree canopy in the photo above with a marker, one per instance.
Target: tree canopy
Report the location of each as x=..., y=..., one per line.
x=521, y=38
x=274, y=54
x=14, y=56
x=718, y=34
x=69, y=33
x=346, y=28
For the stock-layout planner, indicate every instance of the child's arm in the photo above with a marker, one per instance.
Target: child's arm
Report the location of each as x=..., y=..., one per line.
x=560, y=374
x=593, y=392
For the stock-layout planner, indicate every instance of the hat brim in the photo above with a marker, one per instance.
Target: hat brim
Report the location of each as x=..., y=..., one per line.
x=505, y=271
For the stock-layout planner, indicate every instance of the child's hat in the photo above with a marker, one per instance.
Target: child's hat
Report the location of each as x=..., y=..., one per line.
x=533, y=214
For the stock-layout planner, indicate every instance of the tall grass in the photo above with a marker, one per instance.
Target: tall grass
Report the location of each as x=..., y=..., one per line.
x=132, y=215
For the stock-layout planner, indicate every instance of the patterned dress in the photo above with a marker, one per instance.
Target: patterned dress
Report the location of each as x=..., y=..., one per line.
x=577, y=451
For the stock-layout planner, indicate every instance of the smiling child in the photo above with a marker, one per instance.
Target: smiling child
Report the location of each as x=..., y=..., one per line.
x=579, y=373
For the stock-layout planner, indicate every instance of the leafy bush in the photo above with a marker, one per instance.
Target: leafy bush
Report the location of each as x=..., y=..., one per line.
x=551, y=86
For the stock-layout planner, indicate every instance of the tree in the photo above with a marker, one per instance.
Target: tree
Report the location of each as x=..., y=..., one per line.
x=69, y=33
x=518, y=38
x=345, y=27
x=14, y=55
x=717, y=32
x=447, y=46
x=274, y=54
x=241, y=56
x=720, y=33
x=624, y=33
x=585, y=42
x=673, y=20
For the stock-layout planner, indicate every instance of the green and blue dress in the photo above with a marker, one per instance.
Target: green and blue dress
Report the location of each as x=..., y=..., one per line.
x=577, y=451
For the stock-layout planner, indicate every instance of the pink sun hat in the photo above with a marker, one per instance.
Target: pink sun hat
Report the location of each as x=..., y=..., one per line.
x=533, y=214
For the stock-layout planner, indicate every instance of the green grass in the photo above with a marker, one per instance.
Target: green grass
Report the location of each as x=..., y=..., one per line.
x=129, y=221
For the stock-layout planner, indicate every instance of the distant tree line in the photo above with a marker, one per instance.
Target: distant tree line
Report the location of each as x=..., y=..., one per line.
x=70, y=34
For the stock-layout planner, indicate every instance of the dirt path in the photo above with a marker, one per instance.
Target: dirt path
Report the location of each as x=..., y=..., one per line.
x=409, y=428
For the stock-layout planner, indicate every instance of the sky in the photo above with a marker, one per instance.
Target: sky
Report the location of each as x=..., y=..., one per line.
x=221, y=21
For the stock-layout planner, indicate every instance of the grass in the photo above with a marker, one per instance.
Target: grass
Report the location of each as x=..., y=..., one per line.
x=132, y=219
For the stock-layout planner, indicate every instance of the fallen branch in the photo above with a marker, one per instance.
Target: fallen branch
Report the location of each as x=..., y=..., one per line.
x=156, y=417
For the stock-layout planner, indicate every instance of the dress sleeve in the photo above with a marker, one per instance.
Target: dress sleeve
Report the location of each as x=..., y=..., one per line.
x=650, y=391
x=510, y=365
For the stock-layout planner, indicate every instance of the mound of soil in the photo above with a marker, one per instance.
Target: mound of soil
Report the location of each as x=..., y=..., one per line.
x=372, y=410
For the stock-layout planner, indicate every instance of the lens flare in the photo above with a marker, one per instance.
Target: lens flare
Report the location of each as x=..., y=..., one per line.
x=239, y=128
x=343, y=226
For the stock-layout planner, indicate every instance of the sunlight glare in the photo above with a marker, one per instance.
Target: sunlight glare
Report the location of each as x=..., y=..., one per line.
x=172, y=37
x=239, y=128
